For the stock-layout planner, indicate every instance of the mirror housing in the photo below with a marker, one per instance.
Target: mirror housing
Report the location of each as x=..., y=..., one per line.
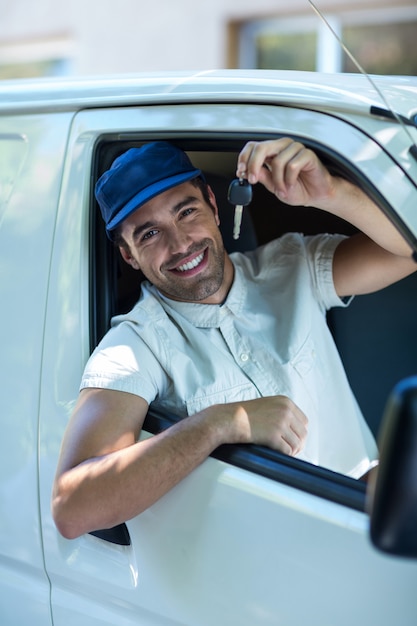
x=392, y=489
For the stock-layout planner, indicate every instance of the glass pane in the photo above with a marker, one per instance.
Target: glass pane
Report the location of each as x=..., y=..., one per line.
x=286, y=52
x=382, y=48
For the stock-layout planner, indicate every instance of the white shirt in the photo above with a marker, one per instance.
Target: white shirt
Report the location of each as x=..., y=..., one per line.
x=269, y=337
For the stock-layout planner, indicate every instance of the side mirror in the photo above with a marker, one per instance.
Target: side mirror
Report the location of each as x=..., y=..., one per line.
x=392, y=490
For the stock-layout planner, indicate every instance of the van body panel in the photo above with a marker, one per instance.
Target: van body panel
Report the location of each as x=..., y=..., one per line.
x=226, y=545
x=32, y=151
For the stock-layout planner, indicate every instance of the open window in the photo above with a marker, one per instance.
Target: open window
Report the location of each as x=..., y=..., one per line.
x=115, y=286
x=373, y=334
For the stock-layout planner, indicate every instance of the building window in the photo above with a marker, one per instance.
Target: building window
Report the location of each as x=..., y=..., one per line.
x=383, y=49
x=382, y=42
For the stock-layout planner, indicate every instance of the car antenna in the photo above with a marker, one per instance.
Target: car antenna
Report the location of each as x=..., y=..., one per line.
x=390, y=111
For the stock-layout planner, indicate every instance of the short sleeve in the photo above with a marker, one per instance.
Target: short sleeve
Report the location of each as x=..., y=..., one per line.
x=123, y=362
x=320, y=250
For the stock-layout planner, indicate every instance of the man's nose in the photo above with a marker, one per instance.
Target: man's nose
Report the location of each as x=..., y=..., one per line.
x=179, y=240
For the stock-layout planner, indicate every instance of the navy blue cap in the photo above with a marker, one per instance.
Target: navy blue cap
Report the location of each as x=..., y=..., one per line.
x=138, y=175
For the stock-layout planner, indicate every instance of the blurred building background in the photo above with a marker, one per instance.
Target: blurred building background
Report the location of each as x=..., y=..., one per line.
x=90, y=37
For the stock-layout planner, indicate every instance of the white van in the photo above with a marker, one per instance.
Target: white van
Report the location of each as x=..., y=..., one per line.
x=251, y=537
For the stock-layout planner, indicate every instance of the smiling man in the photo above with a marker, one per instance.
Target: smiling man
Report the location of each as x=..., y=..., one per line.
x=237, y=346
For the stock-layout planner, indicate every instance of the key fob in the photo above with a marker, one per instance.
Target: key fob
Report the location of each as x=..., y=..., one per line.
x=240, y=192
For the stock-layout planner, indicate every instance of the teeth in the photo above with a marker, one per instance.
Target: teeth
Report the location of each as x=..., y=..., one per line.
x=191, y=264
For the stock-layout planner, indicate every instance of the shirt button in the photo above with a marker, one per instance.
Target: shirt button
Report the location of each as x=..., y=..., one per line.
x=244, y=357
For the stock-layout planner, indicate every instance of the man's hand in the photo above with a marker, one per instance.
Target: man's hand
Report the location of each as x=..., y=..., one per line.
x=287, y=169
x=273, y=421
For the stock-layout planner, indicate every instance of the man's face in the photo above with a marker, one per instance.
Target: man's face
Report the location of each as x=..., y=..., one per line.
x=175, y=240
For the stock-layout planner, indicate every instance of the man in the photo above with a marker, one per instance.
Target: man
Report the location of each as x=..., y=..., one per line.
x=236, y=345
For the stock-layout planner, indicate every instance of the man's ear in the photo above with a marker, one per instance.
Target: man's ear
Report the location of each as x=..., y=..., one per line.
x=126, y=256
x=214, y=204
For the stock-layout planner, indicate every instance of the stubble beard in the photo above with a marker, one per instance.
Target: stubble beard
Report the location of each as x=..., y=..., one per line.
x=201, y=286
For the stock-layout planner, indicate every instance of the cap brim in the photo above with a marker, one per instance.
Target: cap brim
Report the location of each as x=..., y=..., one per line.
x=147, y=194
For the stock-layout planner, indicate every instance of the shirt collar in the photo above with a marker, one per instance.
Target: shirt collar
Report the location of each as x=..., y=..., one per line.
x=209, y=315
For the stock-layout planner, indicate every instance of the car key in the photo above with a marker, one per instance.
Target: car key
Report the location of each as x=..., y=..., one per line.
x=240, y=195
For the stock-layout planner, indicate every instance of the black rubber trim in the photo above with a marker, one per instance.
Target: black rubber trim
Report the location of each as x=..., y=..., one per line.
x=391, y=115
x=118, y=535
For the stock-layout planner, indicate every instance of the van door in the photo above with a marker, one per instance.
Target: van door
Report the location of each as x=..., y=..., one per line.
x=227, y=545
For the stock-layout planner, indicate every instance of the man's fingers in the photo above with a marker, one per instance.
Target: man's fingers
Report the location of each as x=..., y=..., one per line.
x=274, y=421
x=255, y=155
x=290, y=439
x=296, y=435
x=287, y=166
x=277, y=164
x=293, y=427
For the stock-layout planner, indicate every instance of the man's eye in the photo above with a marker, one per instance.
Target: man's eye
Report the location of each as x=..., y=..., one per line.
x=149, y=234
x=187, y=212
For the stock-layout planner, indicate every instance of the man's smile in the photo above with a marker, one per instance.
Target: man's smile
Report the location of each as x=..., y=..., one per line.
x=191, y=264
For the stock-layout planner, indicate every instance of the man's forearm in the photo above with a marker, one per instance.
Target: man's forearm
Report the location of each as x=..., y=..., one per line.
x=349, y=202
x=103, y=492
